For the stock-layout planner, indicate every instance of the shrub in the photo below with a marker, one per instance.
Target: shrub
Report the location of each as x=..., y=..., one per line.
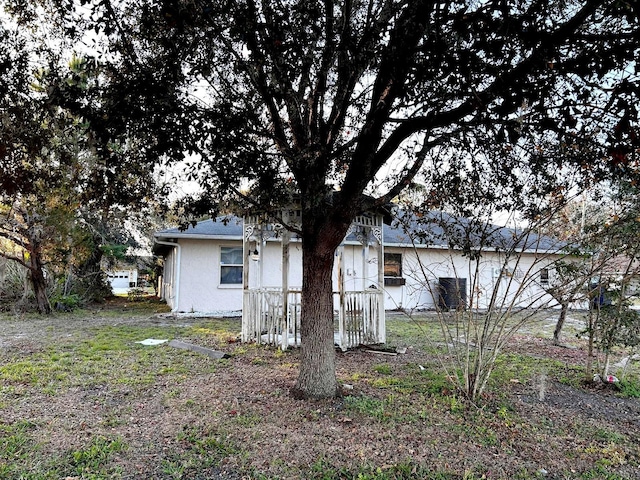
x=66, y=303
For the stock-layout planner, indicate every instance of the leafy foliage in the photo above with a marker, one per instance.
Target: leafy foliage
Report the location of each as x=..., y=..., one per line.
x=73, y=174
x=302, y=97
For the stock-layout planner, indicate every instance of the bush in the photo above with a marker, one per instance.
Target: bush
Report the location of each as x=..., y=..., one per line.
x=66, y=303
x=629, y=388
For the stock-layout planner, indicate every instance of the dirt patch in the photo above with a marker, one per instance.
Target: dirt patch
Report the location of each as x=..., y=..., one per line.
x=236, y=419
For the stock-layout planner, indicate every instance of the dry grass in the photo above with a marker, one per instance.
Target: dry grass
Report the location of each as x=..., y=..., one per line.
x=80, y=399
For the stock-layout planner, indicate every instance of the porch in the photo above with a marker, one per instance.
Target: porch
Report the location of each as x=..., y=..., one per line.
x=271, y=314
x=274, y=319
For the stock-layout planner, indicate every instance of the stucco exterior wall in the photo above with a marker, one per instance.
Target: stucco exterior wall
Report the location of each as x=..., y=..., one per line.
x=518, y=285
x=266, y=271
x=199, y=284
x=201, y=290
x=360, y=268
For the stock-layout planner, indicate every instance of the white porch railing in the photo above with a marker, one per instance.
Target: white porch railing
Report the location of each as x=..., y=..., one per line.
x=263, y=320
x=359, y=318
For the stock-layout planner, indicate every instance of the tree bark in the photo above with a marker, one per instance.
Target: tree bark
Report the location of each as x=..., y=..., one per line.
x=321, y=236
x=317, y=377
x=564, y=307
x=39, y=282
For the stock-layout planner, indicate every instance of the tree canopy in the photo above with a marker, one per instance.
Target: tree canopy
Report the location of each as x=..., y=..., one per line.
x=314, y=97
x=69, y=178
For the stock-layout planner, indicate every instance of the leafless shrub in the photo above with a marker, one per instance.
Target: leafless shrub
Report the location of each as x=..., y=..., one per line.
x=497, y=280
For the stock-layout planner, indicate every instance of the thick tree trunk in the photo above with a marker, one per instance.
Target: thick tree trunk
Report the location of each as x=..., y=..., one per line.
x=39, y=283
x=321, y=237
x=317, y=378
x=564, y=307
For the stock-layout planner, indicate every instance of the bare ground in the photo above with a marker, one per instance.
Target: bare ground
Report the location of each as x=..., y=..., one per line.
x=254, y=427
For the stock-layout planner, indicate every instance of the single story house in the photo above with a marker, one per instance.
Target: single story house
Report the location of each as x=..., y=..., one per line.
x=428, y=263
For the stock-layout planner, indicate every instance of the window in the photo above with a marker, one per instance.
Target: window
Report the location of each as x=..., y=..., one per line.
x=393, y=269
x=230, y=265
x=544, y=276
x=392, y=264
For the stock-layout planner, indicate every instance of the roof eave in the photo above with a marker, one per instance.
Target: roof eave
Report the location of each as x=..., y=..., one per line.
x=183, y=236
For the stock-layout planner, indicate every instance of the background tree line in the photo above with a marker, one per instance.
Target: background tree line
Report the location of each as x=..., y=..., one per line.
x=71, y=195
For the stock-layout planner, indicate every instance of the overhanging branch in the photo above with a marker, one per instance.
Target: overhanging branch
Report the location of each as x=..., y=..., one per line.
x=14, y=258
x=503, y=83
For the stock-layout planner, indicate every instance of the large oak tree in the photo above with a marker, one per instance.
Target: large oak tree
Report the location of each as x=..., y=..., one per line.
x=322, y=102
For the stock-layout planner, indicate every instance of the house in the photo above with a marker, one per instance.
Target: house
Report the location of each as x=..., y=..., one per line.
x=618, y=278
x=202, y=266
x=438, y=262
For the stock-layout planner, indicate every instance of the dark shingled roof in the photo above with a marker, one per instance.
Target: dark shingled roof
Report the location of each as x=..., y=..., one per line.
x=228, y=226
x=439, y=229
x=436, y=229
x=224, y=226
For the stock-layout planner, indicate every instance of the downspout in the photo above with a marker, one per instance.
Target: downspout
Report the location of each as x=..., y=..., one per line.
x=176, y=271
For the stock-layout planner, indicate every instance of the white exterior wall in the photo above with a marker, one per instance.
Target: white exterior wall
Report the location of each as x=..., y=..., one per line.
x=267, y=270
x=422, y=269
x=169, y=278
x=360, y=270
x=199, y=284
x=201, y=291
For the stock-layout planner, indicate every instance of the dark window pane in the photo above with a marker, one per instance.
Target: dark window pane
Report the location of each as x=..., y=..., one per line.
x=544, y=275
x=230, y=275
x=392, y=264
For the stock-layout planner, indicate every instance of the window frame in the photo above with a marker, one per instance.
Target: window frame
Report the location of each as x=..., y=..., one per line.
x=393, y=279
x=397, y=262
x=230, y=267
x=544, y=276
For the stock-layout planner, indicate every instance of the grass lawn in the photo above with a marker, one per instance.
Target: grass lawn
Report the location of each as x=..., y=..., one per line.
x=80, y=399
